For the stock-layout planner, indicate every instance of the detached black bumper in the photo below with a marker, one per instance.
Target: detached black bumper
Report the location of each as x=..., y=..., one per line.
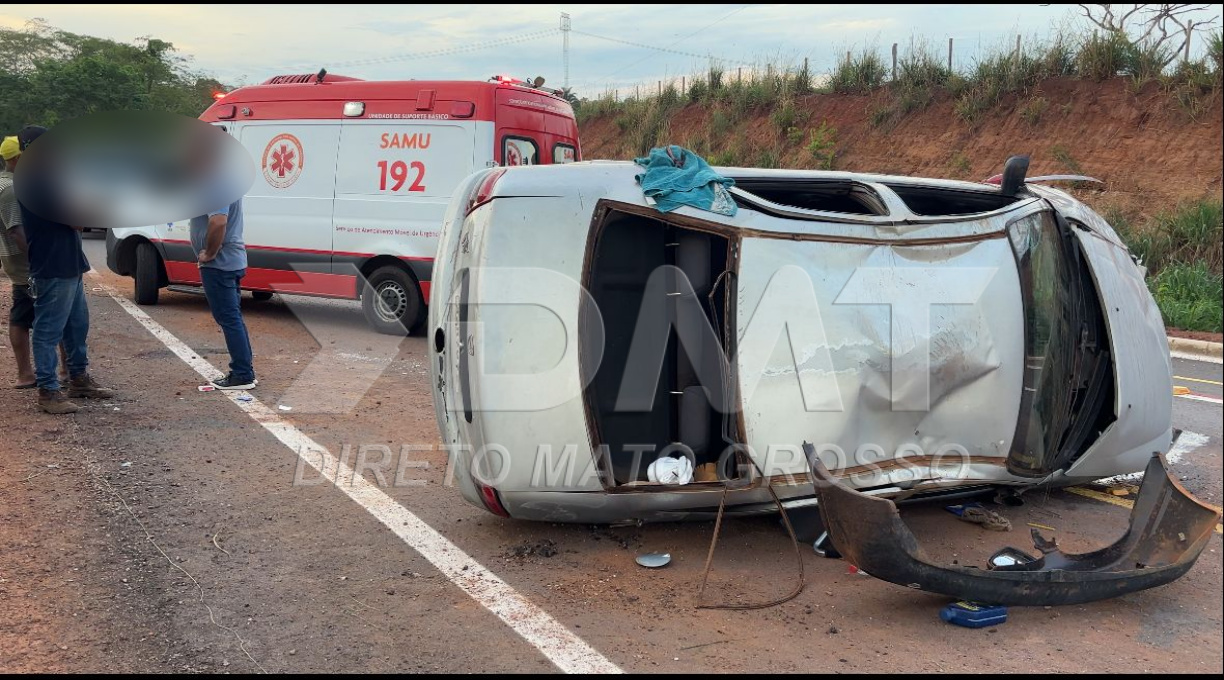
x=1168, y=530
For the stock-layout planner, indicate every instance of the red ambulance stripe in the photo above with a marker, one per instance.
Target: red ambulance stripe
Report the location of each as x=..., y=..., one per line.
x=279, y=249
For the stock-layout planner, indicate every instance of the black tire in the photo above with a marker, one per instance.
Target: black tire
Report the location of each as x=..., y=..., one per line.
x=148, y=274
x=392, y=301
x=261, y=295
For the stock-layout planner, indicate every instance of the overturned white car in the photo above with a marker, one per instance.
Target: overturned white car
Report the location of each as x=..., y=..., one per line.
x=924, y=337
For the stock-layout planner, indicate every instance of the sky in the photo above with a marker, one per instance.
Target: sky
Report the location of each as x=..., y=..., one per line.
x=249, y=43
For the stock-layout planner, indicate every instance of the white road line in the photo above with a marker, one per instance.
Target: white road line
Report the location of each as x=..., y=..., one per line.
x=565, y=650
x=1200, y=397
x=1188, y=442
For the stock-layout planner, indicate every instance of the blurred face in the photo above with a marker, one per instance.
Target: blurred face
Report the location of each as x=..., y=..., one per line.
x=135, y=168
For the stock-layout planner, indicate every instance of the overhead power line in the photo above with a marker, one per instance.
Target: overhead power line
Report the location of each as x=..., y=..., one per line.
x=648, y=47
x=682, y=39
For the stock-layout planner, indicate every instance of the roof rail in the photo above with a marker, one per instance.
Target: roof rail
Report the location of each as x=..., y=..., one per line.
x=295, y=79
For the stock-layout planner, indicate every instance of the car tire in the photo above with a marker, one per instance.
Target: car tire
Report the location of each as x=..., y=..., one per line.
x=148, y=274
x=391, y=301
x=261, y=295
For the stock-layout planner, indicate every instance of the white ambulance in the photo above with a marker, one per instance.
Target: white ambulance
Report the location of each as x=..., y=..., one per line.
x=352, y=180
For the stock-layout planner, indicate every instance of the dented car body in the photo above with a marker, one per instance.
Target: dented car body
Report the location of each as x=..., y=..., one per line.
x=927, y=337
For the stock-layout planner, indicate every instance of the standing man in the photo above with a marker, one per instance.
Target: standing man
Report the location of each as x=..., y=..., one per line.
x=61, y=313
x=13, y=257
x=216, y=239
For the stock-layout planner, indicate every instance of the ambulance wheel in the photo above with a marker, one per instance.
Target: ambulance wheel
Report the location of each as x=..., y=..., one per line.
x=148, y=274
x=392, y=301
x=261, y=295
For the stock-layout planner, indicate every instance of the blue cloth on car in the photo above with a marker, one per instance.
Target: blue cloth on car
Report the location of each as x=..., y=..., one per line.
x=676, y=177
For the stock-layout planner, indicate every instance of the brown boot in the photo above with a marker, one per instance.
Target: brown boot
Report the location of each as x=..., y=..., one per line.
x=84, y=387
x=54, y=401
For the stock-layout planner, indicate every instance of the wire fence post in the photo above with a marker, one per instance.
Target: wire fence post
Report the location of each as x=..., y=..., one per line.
x=894, y=56
x=1189, y=35
x=739, y=74
x=660, y=88
x=683, y=86
x=949, y=55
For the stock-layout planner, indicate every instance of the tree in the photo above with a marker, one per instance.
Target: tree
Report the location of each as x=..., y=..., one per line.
x=1165, y=30
x=570, y=97
x=48, y=76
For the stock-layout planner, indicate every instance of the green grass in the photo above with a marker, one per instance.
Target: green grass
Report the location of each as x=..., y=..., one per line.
x=823, y=146
x=1182, y=250
x=1189, y=297
x=1190, y=234
x=1102, y=55
x=859, y=74
x=1033, y=110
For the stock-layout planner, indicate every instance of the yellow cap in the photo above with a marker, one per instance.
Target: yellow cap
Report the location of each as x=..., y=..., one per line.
x=9, y=148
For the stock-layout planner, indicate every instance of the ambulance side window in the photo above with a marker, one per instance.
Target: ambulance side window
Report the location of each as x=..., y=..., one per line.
x=564, y=153
x=519, y=151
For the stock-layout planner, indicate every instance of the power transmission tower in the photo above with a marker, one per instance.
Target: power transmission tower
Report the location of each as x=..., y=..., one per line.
x=565, y=33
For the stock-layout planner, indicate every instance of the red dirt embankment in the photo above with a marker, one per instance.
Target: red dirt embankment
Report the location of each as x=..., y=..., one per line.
x=1145, y=145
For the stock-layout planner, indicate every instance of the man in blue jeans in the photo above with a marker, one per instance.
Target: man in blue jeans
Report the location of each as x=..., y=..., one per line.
x=61, y=313
x=216, y=239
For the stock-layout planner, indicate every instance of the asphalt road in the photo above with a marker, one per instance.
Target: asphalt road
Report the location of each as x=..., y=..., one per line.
x=1196, y=411
x=178, y=531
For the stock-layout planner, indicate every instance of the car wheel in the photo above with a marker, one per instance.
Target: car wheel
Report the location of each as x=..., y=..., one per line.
x=392, y=301
x=148, y=274
x=261, y=295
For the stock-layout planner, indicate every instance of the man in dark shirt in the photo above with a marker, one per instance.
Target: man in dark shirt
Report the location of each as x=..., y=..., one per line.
x=57, y=263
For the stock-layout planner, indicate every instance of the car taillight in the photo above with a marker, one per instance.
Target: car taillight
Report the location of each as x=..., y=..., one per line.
x=483, y=193
x=492, y=500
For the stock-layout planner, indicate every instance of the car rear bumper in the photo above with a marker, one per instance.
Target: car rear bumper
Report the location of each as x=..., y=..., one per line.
x=1168, y=530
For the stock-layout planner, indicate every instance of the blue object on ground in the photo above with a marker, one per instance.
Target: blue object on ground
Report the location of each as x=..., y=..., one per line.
x=676, y=177
x=959, y=510
x=972, y=615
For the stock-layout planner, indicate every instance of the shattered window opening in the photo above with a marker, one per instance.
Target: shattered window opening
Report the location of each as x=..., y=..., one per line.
x=933, y=201
x=840, y=196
